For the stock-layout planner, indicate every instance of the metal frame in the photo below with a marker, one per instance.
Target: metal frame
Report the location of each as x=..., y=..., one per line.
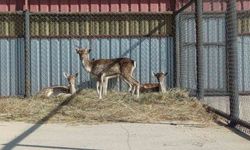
x=232, y=91
x=199, y=49
x=232, y=56
x=27, y=53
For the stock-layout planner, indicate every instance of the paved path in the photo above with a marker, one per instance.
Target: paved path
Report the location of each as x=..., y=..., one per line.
x=118, y=136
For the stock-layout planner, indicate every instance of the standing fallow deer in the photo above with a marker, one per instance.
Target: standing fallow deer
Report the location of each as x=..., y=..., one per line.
x=104, y=69
x=58, y=91
x=155, y=87
x=105, y=86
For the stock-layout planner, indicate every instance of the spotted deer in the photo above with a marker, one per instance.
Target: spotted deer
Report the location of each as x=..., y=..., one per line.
x=105, y=69
x=56, y=91
x=105, y=86
x=155, y=87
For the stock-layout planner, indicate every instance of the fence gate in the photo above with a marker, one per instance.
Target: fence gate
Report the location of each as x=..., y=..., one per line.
x=214, y=53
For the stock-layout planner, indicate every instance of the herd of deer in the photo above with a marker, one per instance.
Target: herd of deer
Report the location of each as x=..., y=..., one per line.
x=103, y=70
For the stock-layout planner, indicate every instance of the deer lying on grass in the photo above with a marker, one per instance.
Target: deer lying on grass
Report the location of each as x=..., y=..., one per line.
x=105, y=69
x=64, y=91
x=155, y=87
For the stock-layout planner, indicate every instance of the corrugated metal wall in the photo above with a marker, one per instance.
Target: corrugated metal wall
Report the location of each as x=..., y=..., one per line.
x=11, y=67
x=113, y=5
x=108, y=25
x=51, y=57
x=100, y=5
x=244, y=63
x=89, y=5
x=214, y=5
x=145, y=38
x=214, y=53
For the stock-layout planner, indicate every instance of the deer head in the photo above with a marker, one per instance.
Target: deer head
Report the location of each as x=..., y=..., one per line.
x=83, y=53
x=160, y=76
x=71, y=81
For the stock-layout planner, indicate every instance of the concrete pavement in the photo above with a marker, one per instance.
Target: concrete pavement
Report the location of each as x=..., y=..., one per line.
x=118, y=136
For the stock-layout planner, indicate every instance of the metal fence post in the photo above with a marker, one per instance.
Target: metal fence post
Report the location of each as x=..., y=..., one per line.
x=27, y=53
x=199, y=49
x=231, y=31
x=177, y=50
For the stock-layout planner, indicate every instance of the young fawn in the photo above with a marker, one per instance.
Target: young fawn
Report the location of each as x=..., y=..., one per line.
x=155, y=87
x=64, y=91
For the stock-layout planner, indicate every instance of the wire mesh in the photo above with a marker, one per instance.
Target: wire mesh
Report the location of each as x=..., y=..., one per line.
x=49, y=41
x=222, y=48
x=36, y=52
x=11, y=52
x=243, y=44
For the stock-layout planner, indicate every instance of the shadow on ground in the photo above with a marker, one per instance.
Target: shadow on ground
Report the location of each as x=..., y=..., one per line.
x=15, y=142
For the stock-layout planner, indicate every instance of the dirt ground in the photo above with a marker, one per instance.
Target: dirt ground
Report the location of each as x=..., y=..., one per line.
x=119, y=136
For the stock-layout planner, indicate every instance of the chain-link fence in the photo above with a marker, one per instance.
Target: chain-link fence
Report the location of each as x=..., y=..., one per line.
x=201, y=52
x=212, y=55
x=12, y=54
x=49, y=41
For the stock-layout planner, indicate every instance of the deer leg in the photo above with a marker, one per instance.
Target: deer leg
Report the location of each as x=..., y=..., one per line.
x=106, y=82
x=97, y=87
x=105, y=87
x=102, y=78
x=130, y=86
x=133, y=82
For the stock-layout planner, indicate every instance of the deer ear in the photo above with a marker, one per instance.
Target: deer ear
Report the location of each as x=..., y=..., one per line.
x=166, y=74
x=76, y=74
x=77, y=50
x=153, y=73
x=89, y=50
x=65, y=74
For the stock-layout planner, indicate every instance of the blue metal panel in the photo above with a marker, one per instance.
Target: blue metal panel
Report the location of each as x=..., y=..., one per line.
x=44, y=63
x=222, y=77
x=154, y=57
x=221, y=31
x=11, y=73
x=75, y=62
x=214, y=54
x=164, y=59
x=244, y=59
x=21, y=69
x=13, y=67
x=5, y=84
x=192, y=67
x=213, y=67
x=246, y=46
x=145, y=52
x=105, y=48
x=170, y=63
x=212, y=30
x=55, y=61
x=35, y=66
x=65, y=59
x=241, y=64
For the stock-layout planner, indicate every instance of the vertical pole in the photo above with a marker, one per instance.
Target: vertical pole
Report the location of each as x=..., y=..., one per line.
x=231, y=31
x=199, y=49
x=177, y=50
x=27, y=53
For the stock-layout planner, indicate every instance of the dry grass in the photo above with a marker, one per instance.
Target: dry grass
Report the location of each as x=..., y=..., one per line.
x=86, y=108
